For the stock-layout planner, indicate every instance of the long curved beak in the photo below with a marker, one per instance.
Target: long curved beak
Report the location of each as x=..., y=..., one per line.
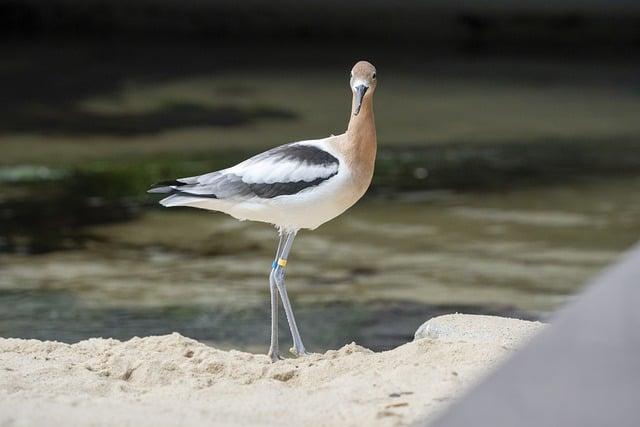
x=360, y=91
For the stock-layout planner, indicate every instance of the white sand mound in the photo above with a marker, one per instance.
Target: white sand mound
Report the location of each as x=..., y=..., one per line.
x=173, y=380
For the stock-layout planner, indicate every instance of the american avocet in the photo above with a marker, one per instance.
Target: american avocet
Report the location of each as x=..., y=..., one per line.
x=299, y=185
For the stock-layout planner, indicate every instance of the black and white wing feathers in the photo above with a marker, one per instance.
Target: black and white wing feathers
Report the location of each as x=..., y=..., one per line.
x=281, y=171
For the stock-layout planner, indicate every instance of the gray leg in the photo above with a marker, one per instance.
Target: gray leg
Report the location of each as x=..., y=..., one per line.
x=278, y=273
x=274, y=349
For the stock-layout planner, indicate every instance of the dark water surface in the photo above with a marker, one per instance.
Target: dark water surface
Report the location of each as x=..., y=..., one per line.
x=377, y=325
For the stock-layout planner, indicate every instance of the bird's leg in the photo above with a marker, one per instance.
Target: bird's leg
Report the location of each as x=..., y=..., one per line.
x=274, y=352
x=279, y=273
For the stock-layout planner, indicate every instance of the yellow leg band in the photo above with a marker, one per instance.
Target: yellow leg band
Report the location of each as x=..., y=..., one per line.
x=282, y=262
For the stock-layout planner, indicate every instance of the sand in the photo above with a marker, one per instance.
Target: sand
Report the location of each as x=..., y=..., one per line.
x=174, y=380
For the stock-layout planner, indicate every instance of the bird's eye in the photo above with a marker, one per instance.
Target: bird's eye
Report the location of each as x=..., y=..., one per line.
x=374, y=76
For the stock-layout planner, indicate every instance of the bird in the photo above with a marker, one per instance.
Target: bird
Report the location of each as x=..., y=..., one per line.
x=295, y=186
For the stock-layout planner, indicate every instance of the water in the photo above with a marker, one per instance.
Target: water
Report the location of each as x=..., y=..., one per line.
x=373, y=275
x=502, y=184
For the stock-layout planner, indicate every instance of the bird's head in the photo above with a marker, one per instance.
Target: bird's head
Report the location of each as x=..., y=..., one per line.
x=363, y=83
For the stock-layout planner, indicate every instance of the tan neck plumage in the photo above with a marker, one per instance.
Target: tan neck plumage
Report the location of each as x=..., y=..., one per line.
x=359, y=149
x=364, y=121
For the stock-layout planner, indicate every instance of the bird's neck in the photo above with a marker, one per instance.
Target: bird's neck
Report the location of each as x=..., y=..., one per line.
x=359, y=147
x=361, y=132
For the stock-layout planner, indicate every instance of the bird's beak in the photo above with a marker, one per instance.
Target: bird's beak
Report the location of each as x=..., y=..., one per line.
x=360, y=91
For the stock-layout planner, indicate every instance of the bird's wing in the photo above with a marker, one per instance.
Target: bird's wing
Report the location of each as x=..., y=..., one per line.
x=281, y=171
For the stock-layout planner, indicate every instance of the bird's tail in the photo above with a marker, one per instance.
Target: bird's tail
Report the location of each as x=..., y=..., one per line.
x=165, y=186
x=179, y=200
x=176, y=197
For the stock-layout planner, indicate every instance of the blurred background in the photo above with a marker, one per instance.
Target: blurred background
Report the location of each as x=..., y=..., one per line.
x=508, y=169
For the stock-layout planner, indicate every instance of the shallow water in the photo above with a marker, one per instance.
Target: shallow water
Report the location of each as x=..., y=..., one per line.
x=525, y=138
x=372, y=275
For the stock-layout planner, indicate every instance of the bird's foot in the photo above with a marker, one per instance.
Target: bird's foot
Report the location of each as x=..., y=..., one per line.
x=274, y=356
x=299, y=352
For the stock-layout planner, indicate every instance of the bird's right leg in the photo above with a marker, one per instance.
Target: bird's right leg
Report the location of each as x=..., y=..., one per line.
x=279, y=273
x=274, y=352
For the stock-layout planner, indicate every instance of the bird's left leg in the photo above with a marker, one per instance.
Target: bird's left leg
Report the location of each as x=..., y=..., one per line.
x=279, y=273
x=274, y=350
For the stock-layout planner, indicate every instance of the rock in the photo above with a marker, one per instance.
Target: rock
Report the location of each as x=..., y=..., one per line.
x=464, y=328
